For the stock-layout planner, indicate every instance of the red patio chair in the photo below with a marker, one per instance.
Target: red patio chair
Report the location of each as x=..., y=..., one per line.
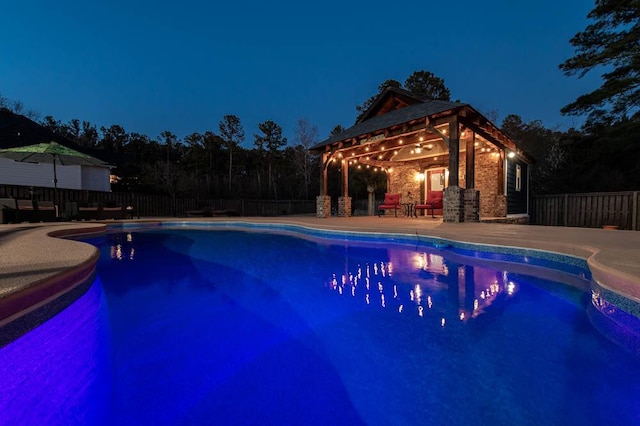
x=434, y=201
x=391, y=201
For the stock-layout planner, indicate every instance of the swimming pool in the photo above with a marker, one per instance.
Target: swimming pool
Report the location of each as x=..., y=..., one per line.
x=280, y=325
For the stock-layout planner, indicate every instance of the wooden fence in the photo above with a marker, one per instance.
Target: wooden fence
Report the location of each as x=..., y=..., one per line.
x=591, y=210
x=152, y=205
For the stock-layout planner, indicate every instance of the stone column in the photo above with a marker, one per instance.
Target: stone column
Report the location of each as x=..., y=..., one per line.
x=323, y=206
x=471, y=205
x=453, y=204
x=501, y=206
x=344, y=206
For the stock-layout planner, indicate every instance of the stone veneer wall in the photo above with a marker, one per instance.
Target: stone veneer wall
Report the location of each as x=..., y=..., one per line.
x=403, y=180
x=485, y=197
x=471, y=205
x=453, y=204
x=323, y=206
x=462, y=170
x=486, y=182
x=501, y=206
x=344, y=206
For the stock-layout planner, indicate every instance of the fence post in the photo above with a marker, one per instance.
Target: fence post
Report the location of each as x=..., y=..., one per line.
x=634, y=211
x=565, y=210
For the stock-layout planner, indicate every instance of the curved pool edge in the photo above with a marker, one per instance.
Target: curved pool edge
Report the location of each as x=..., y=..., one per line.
x=40, y=267
x=64, y=264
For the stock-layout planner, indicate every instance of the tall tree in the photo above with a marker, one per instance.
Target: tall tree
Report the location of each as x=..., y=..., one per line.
x=17, y=107
x=428, y=86
x=306, y=135
x=114, y=138
x=549, y=174
x=73, y=130
x=337, y=130
x=232, y=134
x=88, y=135
x=367, y=104
x=194, y=160
x=272, y=141
x=52, y=124
x=423, y=84
x=610, y=43
x=212, y=145
x=170, y=141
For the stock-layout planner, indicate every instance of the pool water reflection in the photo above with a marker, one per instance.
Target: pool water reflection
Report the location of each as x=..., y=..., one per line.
x=267, y=328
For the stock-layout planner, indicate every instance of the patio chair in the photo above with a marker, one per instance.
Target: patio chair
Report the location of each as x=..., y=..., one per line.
x=391, y=201
x=111, y=211
x=434, y=201
x=8, y=210
x=46, y=211
x=25, y=211
x=87, y=211
x=203, y=211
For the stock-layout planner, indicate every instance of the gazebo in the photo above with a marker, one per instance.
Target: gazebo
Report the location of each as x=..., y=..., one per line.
x=426, y=146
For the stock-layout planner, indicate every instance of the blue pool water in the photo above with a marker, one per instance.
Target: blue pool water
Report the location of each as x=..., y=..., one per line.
x=233, y=327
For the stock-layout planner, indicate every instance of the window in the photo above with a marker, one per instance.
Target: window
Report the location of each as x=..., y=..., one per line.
x=518, y=177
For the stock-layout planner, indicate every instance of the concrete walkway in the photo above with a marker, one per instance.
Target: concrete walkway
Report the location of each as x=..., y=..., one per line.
x=31, y=261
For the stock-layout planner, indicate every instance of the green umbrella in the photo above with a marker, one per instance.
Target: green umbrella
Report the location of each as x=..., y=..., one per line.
x=51, y=152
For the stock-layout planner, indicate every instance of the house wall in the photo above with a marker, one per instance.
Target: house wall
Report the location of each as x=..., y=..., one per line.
x=491, y=203
x=403, y=180
x=41, y=174
x=96, y=178
x=516, y=200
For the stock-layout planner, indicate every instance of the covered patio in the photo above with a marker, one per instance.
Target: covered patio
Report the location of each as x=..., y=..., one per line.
x=418, y=144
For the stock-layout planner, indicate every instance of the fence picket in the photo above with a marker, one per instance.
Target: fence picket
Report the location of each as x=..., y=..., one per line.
x=589, y=210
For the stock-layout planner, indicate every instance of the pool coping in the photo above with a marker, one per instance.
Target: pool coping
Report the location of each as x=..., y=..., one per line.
x=39, y=265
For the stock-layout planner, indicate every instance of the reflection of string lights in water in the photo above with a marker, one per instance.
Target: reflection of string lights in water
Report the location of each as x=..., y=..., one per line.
x=471, y=288
x=118, y=250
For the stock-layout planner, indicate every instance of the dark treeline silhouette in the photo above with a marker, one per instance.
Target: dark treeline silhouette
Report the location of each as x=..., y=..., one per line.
x=209, y=165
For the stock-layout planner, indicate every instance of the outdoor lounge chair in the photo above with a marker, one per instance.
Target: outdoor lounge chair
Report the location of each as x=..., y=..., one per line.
x=200, y=212
x=87, y=211
x=8, y=210
x=111, y=211
x=434, y=201
x=46, y=211
x=391, y=201
x=25, y=211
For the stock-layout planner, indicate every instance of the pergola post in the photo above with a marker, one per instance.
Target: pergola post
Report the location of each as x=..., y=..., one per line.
x=471, y=195
x=344, y=201
x=501, y=197
x=453, y=201
x=323, y=201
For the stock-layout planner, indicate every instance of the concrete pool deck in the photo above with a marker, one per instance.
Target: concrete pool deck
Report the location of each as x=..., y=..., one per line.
x=36, y=266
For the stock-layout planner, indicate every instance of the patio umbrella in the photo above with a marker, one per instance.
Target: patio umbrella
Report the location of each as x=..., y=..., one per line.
x=51, y=152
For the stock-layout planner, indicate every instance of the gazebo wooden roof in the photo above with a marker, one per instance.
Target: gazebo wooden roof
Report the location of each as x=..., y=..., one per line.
x=400, y=128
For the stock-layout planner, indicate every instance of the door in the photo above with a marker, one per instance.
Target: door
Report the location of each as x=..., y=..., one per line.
x=436, y=181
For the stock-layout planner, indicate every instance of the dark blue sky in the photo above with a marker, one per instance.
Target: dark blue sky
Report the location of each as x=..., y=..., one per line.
x=152, y=66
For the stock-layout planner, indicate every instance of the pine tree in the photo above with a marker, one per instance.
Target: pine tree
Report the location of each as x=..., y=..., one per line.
x=612, y=43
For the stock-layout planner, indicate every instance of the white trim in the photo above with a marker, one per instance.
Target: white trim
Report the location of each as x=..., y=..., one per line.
x=505, y=190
